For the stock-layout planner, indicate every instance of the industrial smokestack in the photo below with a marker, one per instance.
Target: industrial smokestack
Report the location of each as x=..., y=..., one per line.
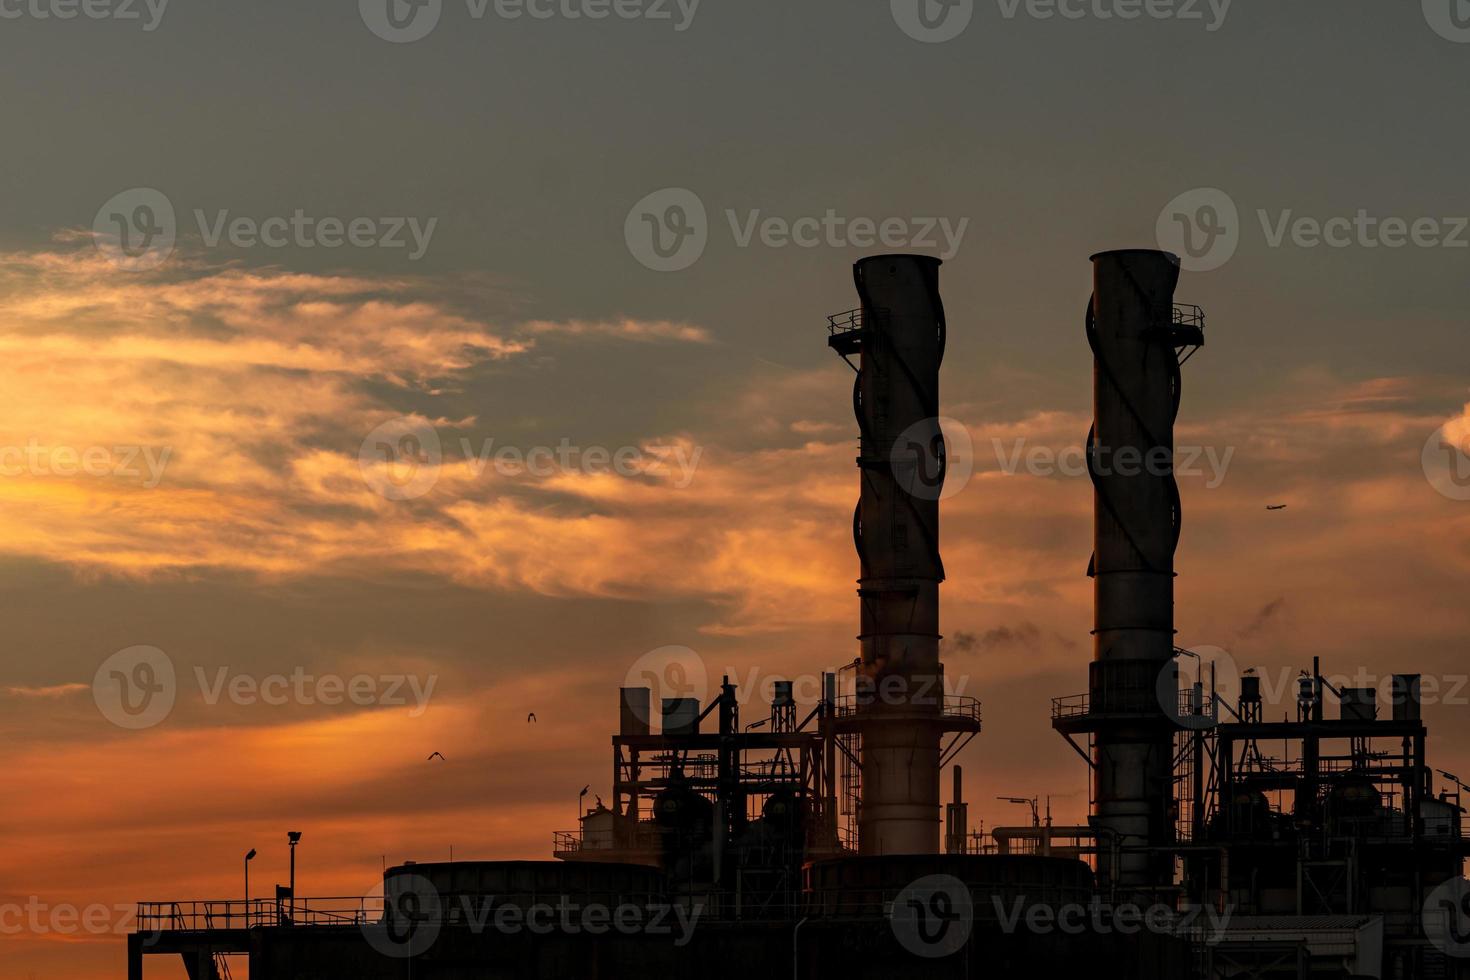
x=957, y=818
x=1136, y=334
x=898, y=334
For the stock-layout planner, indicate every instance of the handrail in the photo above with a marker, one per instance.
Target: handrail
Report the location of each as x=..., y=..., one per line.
x=203, y=916
x=955, y=705
x=845, y=322
x=1071, y=706
x=849, y=321
x=1188, y=315
x=1079, y=705
x=359, y=911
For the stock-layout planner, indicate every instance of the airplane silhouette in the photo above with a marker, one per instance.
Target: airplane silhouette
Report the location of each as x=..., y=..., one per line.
x=1275, y=506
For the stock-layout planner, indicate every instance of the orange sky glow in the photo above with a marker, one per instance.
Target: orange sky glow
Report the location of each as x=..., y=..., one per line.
x=259, y=547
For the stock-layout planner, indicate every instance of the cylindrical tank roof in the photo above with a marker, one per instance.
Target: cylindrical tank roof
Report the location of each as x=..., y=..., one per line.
x=1133, y=251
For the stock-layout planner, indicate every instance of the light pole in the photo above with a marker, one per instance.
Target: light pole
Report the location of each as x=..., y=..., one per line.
x=580, y=795
x=1031, y=802
x=293, y=837
x=249, y=856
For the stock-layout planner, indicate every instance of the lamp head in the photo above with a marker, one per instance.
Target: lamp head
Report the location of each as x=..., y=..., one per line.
x=250, y=854
x=293, y=837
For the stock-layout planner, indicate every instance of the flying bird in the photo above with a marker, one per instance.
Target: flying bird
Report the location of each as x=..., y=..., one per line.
x=436, y=755
x=531, y=718
x=1275, y=506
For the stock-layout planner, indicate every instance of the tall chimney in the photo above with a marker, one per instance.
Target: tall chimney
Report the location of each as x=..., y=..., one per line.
x=1135, y=337
x=899, y=334
x=957, y=818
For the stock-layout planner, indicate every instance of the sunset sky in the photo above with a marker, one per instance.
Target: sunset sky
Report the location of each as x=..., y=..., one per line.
x=225, y=395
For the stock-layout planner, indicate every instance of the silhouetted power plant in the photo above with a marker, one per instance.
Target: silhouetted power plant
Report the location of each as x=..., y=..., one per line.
x=809, y=842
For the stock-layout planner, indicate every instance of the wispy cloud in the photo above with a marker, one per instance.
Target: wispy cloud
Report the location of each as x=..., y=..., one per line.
x=623, y=329
x=52, y=691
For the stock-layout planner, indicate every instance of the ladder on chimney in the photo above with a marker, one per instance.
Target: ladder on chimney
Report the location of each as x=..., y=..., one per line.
x=850, y=746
